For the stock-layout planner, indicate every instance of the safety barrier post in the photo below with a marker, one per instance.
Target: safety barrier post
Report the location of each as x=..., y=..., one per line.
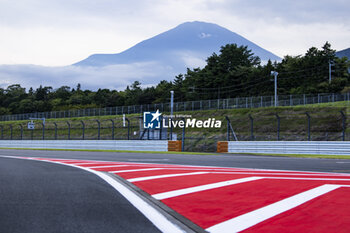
x=55, y=130
x=112, y=128
x=343, y=124
x=11, y=132
x=308, y=126
x=98, y=129
x=128, y=127
x=43, y=125
x=251, y=127
x=278, y=126
x=83, y=129
x=21, y=126
x=68, y=129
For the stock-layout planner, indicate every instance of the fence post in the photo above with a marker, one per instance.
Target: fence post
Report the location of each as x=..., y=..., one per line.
x=98, y=129
x=278, y=126
x=183, y=137
x=161, y=128
x=128, y=127
x=43, y=130
x=55, y=130
x=68, y=129
x=308, y=126
x=171, y=128
x=20, y=125
x=2, y=132
x=228, y=129
x=83, y=129
x=11, y=132
x=343, y=124
x=251, y=127
x=112, y=128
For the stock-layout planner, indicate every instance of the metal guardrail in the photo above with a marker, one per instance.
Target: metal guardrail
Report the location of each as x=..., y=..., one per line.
x=137, y=145
x=290, y=147
x=230, y=103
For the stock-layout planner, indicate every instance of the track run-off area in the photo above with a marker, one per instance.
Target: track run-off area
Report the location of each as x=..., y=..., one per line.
x=220, y=199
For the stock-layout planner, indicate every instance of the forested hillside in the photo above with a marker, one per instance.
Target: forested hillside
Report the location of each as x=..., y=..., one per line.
x=234, y=72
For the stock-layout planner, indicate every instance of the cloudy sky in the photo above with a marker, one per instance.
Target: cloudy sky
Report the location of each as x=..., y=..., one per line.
x=62, y=32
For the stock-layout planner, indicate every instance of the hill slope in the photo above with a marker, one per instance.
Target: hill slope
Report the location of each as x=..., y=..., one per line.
x=344, y=53
x=326, y=125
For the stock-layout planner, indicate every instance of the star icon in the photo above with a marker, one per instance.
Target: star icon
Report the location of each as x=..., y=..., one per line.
x=156, y=115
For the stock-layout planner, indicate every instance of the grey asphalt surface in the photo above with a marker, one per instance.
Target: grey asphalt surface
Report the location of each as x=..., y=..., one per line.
x=44, y=197
x=40, y=197
x=221, y=160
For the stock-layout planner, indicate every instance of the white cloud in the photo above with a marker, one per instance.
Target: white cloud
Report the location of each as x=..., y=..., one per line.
x=62, y=32
x=204, y=35
x=113, y=77
x=192, y=61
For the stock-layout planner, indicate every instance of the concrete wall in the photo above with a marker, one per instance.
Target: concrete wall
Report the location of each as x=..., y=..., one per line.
x=290, y=147
x=137, y=145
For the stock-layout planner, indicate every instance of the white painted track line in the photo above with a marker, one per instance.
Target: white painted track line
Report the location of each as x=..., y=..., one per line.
x=284, y=174
x=180, y=192
x=165, y=176
x=78, y=164
x=105, y=166
x=159, y=220
x=298, y=178
x=250, y=219
x=137, y=170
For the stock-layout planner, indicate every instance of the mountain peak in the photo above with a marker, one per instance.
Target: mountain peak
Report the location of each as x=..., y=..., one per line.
x=188, y=41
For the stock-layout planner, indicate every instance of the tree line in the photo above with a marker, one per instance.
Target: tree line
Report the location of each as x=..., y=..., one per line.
x=234, y=72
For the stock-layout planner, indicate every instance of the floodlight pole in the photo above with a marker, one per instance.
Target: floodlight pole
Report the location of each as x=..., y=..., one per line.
x=275, y=73
x=171, y=103
x=171, y=113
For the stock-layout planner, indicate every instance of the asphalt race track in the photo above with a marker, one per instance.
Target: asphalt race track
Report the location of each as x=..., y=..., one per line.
x=39, y=196
x=243, y=161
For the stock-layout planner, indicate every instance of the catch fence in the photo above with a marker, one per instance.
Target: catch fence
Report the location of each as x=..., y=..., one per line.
x=230, y=103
